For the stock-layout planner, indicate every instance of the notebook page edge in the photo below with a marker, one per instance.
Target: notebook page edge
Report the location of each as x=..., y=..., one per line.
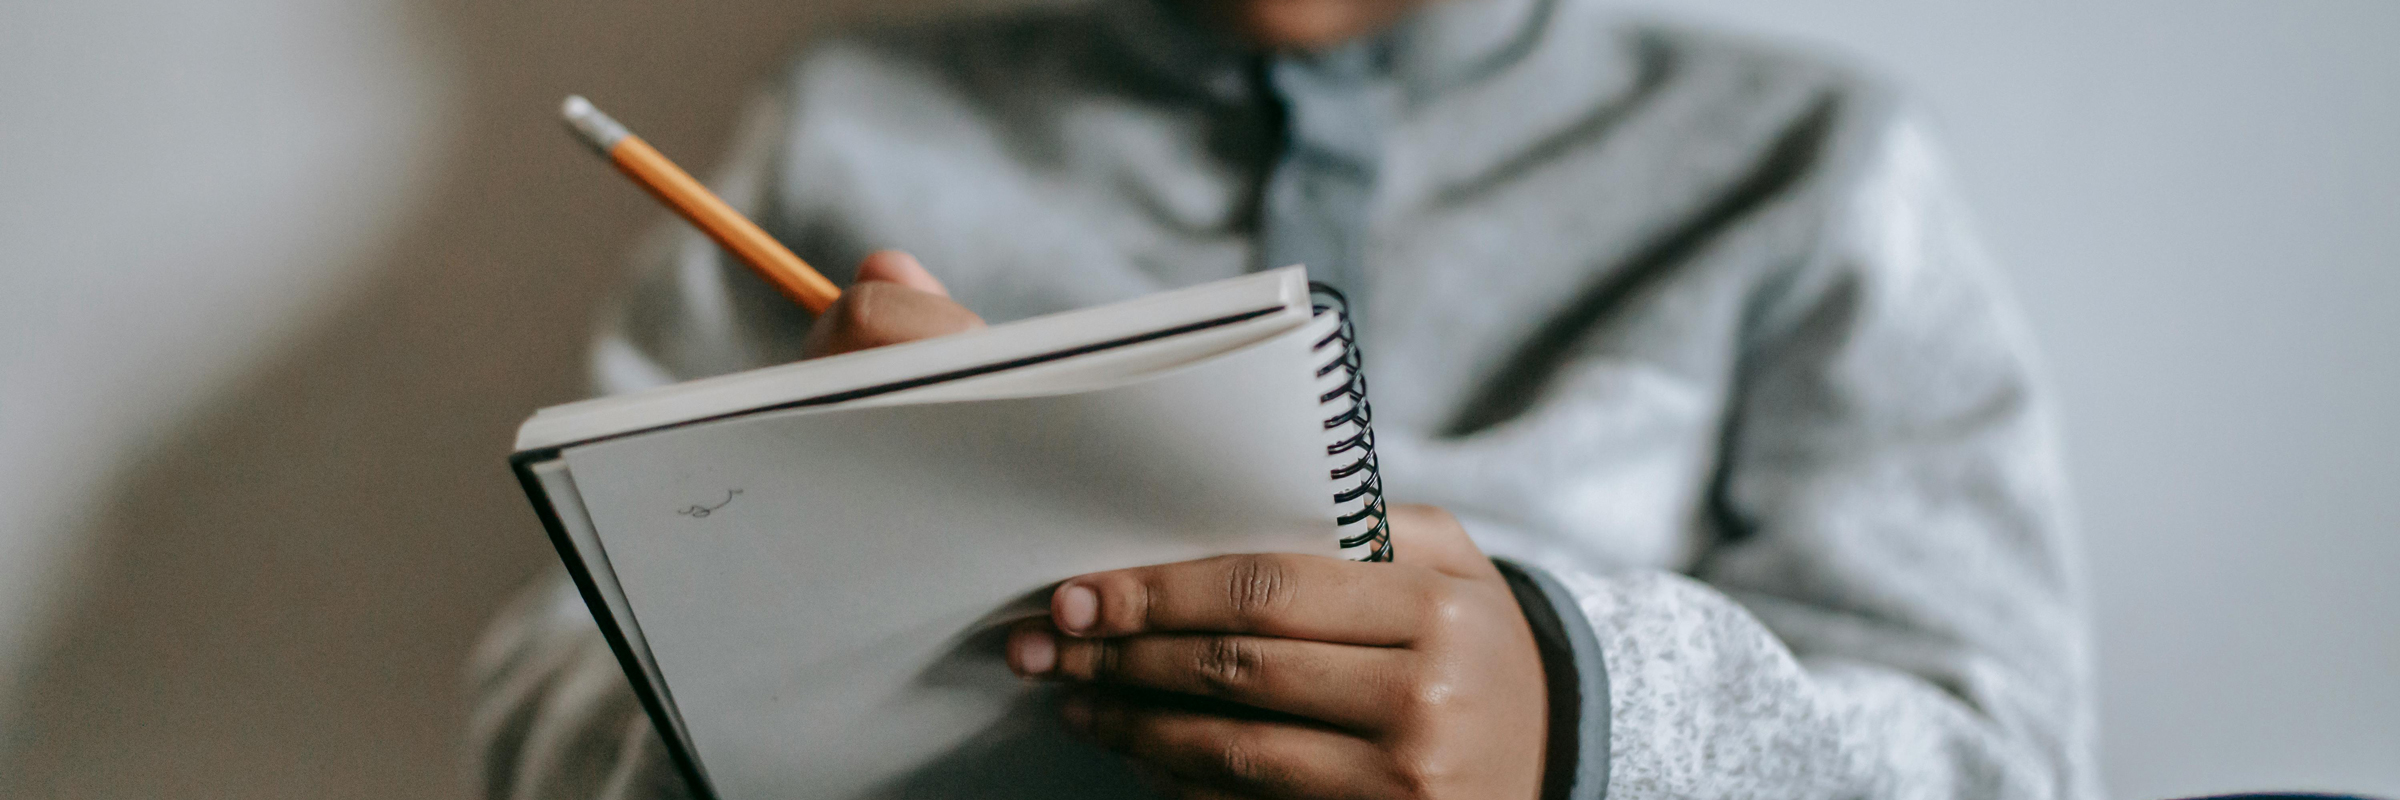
x=1097, y=371
x=575, y=532
x=595, y=418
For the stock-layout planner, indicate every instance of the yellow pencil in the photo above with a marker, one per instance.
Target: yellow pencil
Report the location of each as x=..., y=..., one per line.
x=676, y=188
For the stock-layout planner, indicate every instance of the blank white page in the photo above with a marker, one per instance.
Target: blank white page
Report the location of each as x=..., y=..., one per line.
x=824, y=592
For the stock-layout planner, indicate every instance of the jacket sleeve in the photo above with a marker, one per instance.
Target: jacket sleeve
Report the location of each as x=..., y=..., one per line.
x=554, y=716
x=1890, y=608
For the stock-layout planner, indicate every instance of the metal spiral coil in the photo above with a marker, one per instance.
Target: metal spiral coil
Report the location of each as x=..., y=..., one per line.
x=1360, y=513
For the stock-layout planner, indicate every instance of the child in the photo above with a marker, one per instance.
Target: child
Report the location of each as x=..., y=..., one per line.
x=1737, y=483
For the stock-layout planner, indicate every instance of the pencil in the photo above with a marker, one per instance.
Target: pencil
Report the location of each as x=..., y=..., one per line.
x=676, y=188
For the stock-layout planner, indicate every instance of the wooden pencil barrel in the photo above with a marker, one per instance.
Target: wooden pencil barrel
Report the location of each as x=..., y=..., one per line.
x=676, y=188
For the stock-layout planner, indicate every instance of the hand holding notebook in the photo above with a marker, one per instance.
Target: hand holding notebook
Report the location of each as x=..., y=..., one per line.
x=1338, y=678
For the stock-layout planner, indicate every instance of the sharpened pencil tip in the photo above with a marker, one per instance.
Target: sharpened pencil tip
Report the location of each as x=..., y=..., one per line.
x=594, y=128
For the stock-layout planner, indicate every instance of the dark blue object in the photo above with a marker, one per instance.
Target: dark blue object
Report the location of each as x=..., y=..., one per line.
x=2286, y=796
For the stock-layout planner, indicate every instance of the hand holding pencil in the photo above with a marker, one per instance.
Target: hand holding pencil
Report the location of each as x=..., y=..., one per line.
x=907, y=302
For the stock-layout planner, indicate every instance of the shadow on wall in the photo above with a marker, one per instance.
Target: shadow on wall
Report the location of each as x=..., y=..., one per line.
x=282, y=595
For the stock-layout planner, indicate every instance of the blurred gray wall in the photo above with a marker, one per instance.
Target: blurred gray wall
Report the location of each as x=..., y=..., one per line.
x=278, y=278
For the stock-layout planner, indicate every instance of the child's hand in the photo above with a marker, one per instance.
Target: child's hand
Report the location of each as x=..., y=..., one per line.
x=1414, y=679
x=892, y=300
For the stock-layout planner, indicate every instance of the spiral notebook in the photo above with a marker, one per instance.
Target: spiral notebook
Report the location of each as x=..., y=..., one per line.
x=807, y=570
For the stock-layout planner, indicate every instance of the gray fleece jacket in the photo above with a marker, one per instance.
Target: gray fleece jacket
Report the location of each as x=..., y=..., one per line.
x=1690, y=330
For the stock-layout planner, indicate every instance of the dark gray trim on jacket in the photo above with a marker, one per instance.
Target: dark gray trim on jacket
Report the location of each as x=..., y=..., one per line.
x=1576, y=766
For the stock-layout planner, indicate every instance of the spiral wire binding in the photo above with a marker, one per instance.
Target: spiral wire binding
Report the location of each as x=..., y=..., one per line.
x=1359, y=511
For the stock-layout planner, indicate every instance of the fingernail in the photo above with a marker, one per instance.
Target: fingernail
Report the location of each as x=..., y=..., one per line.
x=1076, y=711
x=1035, y=652
x=1076, y=608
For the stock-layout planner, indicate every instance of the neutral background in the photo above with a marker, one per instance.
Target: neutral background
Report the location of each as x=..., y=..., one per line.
x=278, y=278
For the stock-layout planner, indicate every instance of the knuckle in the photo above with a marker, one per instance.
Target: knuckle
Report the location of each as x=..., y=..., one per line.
x=1419, y=691
x=1226, y=663
x=1086, y=659
x=1441, y=607
x=1240, y=761
x=1257, y=585
x=1128, y=603
x=1108, y=659
x=1423, y=771
x=1426, y=696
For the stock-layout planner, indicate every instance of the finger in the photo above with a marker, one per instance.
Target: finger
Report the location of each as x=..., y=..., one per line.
x=1430, y=537
x=897, y=266
x=1273, y=594
x=877, y=313
x=1346, y=686
x=1228, y=754
x=1032, y=648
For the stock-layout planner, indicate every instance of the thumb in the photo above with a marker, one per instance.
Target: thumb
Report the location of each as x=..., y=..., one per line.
x=894, y=266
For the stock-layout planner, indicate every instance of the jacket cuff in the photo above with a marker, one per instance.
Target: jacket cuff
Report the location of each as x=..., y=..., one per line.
x=1576, y=766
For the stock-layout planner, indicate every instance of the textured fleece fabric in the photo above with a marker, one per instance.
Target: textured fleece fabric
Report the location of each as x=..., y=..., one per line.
x=1692, y=327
